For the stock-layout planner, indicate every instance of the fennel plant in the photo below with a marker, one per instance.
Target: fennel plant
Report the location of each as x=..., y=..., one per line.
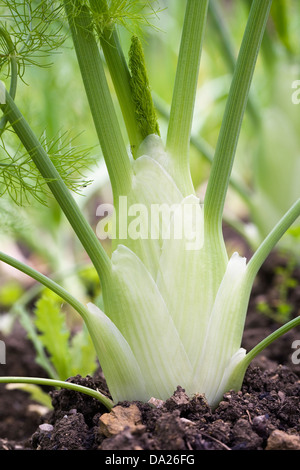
x=174, y=305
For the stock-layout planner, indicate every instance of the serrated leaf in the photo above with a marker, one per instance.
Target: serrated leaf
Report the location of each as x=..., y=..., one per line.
x=53, y=333
x=83, y=354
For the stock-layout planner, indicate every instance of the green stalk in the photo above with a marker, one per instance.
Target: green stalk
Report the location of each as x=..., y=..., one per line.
x=61, y=193
x=254, y=264
x=99, y=98
x=259, y=257
x=216, y=19
x=236, y=379
x=61, y=384
x=269, y=339
x=215, y=14
x=203, y=147
x=19, y=309
x=270, y=241
x=14, y=72
x=234, y=112
x=47, y=282
x=120, y=74
x=182, y=107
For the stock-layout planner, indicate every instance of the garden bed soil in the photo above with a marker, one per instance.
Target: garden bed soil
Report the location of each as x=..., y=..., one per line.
x=264, y=415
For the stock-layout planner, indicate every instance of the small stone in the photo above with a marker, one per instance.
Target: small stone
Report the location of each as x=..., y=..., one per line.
x=179, y=399
x=280, y=440
x=45, y=427
x=119, y=419
x=156, y=402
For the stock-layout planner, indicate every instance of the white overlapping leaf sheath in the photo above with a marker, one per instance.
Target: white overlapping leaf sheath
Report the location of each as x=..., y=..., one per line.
x=224, y=330
x=153, y=191
x=120, y=367
x=140, y=313
x=176, y=305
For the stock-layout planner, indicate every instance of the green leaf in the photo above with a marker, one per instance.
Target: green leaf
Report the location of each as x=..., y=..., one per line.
x=36, y=29
x=83, y=354
x=10, y=292
x=53, y=333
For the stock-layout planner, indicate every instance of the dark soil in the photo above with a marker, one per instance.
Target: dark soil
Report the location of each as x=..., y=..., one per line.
x=264, y=415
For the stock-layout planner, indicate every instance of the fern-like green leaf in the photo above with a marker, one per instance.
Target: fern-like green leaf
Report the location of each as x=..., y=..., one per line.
x=83, y=354
x=53, y=333
x=69, y=355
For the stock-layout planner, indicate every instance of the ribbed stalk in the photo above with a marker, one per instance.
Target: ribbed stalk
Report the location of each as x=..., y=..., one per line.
x=119, y=73
x=61, y=384
x=234, y=112
x=205, y=149
x=13, y=71
x=58, y=188
x=272, y=239
x=182, y=107
x=215, y=15
x=99, y=98
x=47, y=282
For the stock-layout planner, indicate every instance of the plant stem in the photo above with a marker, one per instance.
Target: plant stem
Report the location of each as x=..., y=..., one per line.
x=47, y=282
x=14, y=72
x=203, y=147
x=237, y=376
x=58, y=188
x=99, y=98
x=215, y=15
x=120, y=75
x=269, y=339
x=61, y=384
x=182, y=107
x=270, y=241
x=234, y=112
